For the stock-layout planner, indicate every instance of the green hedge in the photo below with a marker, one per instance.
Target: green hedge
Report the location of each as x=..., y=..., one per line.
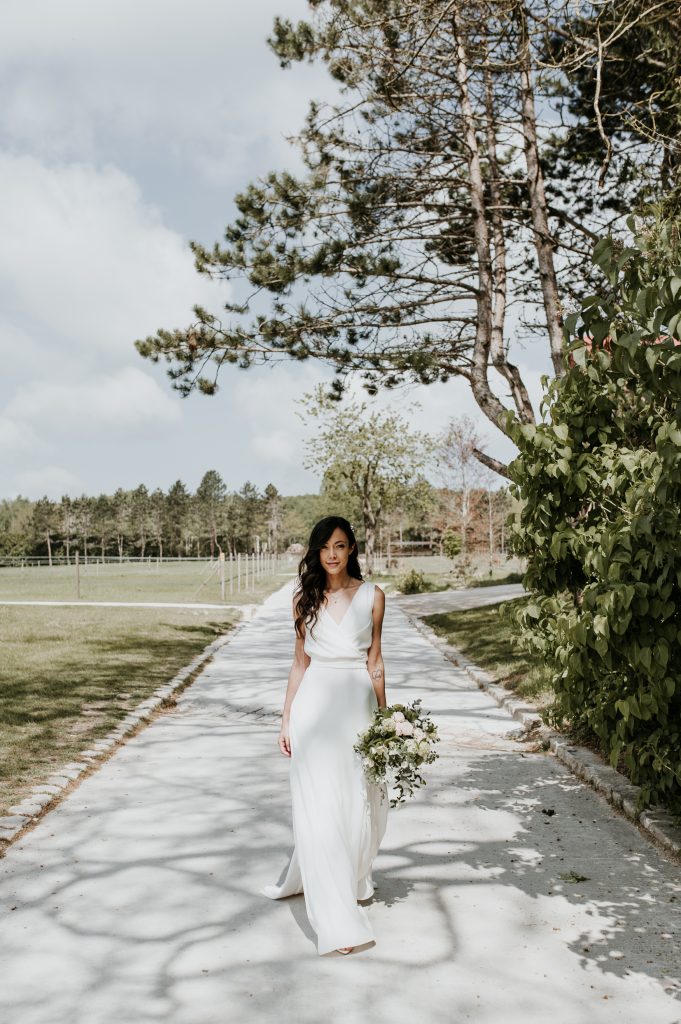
x=597, y=491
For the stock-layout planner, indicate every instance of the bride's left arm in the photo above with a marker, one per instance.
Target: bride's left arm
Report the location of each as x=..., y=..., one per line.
x=374, y=657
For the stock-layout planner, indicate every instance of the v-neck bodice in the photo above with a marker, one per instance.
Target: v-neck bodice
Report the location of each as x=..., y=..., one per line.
x=348, y=640
x=346, y=608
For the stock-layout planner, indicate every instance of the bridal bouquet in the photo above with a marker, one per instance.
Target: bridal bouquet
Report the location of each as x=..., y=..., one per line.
x=398, y=742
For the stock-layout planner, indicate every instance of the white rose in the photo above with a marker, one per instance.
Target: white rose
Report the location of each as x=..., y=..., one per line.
x=405, y=729
x=398, y=716
x=411, y=746
x=418, y=733
x=424, y=748
x=389, y=725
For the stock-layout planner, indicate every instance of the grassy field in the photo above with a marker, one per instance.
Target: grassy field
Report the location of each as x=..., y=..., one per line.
x=149, y=581
x=69, y=675
x=441, y=573
x=484, y=636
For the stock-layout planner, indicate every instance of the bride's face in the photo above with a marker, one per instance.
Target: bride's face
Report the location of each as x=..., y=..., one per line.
x=335, y=553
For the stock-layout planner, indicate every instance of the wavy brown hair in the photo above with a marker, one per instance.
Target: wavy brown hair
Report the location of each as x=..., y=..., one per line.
x=312, y=575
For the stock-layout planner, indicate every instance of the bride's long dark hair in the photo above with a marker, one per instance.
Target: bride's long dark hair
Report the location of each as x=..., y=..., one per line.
x=310, y=592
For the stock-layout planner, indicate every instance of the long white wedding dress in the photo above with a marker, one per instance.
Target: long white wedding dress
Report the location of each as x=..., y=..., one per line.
x=339, y=818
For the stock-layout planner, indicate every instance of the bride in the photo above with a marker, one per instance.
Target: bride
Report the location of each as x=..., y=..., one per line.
x=335, y=684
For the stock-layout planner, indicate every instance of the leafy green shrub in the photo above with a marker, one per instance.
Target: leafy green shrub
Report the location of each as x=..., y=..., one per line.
x=413, y=582
x=597, y=515
x=451, y=544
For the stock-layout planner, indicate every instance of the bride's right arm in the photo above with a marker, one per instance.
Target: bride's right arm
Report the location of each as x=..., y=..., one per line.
x=300, y=663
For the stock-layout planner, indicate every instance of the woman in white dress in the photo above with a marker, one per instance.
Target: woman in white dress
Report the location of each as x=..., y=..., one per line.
x=334, y=686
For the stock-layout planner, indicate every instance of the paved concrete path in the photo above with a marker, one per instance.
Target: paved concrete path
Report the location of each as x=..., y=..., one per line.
x=457, y=600
x=135, y=901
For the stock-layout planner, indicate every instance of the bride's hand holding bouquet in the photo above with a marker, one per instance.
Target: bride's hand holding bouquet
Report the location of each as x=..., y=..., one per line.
x=399, y=741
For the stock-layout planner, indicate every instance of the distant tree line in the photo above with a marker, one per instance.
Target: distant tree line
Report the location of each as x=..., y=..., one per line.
x=142, y=523
x=176, y=523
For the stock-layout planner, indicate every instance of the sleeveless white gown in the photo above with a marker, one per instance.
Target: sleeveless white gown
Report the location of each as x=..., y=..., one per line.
x=339, y=818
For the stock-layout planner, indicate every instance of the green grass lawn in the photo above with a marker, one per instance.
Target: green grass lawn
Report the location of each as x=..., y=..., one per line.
x=446, y=579
x=131, y=581
x=497, y=581
x=484, y=636
x=434, y=581
x=69, y=675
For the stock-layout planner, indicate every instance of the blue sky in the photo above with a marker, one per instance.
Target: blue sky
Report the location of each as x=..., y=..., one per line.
x=125, y=130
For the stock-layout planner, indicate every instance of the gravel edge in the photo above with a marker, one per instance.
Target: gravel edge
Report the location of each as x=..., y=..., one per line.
x=656, y=823
x=44, y=796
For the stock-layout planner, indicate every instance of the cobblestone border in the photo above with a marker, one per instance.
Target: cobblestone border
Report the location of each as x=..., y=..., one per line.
x=45, y=796
x=655, y=822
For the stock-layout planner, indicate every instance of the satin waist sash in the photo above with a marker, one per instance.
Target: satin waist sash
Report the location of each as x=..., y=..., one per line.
x=338, y=663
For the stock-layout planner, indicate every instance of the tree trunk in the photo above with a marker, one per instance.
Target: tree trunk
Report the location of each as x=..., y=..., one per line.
x=465, y=517
x=499, y=351
x=538, y=207
x=369, y=542
x=369, y=516
x=484, y=396
x=491, y=530
x=49, y=548
x=494, y=464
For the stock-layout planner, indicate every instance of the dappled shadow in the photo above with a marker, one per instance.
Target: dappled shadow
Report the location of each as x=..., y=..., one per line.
x=165, y=873
x=138, y=896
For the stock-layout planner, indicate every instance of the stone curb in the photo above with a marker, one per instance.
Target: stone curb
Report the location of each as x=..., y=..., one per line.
x=44, y=795
x=655, y=822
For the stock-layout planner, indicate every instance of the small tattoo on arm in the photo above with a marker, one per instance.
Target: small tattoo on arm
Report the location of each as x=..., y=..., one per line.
x=377, y=673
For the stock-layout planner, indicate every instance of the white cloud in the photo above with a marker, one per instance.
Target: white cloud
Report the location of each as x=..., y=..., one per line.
x=188, y=79
x=266, y=406
x=87, y=267
x=16, y=438
x=275, y=447
x=127, y=398
x=20, y=353
x=50, y=480
x=89, y=260
x=111, y=115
